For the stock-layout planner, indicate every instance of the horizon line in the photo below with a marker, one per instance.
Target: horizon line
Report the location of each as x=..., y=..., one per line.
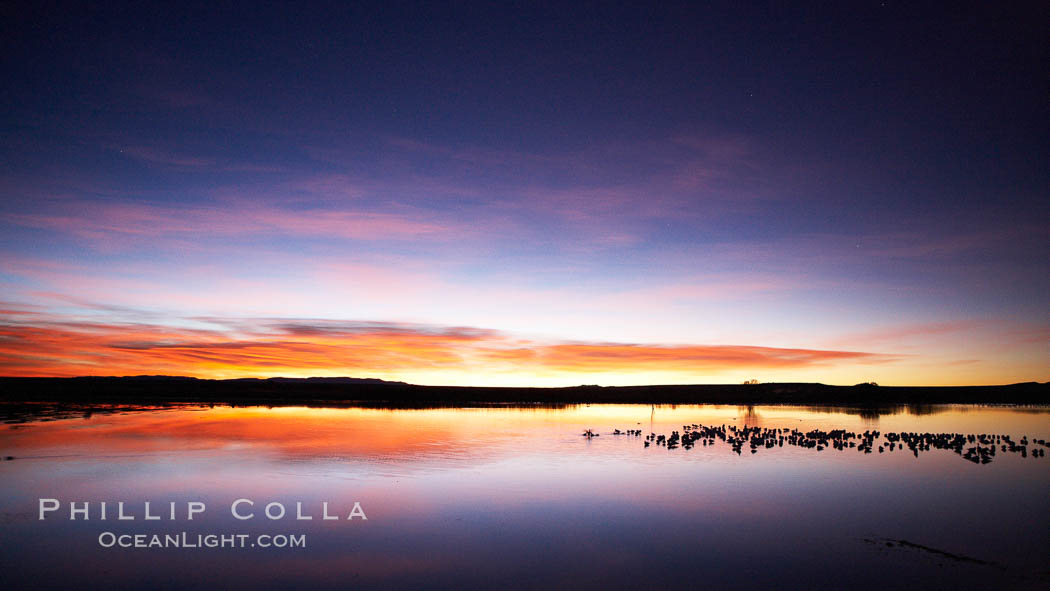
x=380, y=381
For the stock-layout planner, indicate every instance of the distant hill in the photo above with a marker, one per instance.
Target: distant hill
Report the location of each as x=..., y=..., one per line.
x=337, y=390
x=311, y=380
x=324, y=381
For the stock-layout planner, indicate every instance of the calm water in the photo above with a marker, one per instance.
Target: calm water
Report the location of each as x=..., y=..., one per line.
x=516, y=498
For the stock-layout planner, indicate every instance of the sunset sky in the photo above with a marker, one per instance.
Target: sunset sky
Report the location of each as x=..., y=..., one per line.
x=543, y=195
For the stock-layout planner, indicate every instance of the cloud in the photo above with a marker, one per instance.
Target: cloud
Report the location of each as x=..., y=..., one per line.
x=38, y=344
x=607, y=357
x=105, y=223
x=901, y=333
x=603, y=197
x=158, y=156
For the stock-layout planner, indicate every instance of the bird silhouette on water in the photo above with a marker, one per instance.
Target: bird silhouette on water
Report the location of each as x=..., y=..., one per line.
x=976, y=448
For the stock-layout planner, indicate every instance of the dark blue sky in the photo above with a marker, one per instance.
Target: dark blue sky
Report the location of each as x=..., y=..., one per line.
x=856, y=168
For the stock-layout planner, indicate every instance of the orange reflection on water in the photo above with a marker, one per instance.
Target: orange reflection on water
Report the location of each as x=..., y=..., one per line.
x=449, y=491
x=377, y=433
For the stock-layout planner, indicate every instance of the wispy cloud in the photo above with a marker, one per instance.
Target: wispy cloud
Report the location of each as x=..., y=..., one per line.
x=158, y=156
x=104, y=222
x=613, y=357
x=903, y=333
x=576, y=202
x=36, y=344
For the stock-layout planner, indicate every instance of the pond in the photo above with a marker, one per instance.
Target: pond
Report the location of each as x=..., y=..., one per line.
x=517, y=497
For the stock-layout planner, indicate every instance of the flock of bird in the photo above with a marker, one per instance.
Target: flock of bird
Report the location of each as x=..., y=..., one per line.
x=977, y=448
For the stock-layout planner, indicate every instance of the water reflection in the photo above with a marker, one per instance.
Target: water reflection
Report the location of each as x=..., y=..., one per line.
x=503, y=497
x=15, y=412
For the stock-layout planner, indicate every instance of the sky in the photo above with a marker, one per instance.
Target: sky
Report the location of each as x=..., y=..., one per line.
x=527, y=194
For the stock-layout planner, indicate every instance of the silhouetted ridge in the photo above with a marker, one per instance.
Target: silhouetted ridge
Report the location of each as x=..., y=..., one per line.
x=161, y=389
x=320, y=380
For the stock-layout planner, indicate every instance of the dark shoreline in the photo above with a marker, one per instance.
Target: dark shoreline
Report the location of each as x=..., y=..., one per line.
x=283, y=391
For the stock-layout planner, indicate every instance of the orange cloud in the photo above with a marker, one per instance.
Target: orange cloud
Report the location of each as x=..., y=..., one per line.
x=37, y=345
x=605, y=357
